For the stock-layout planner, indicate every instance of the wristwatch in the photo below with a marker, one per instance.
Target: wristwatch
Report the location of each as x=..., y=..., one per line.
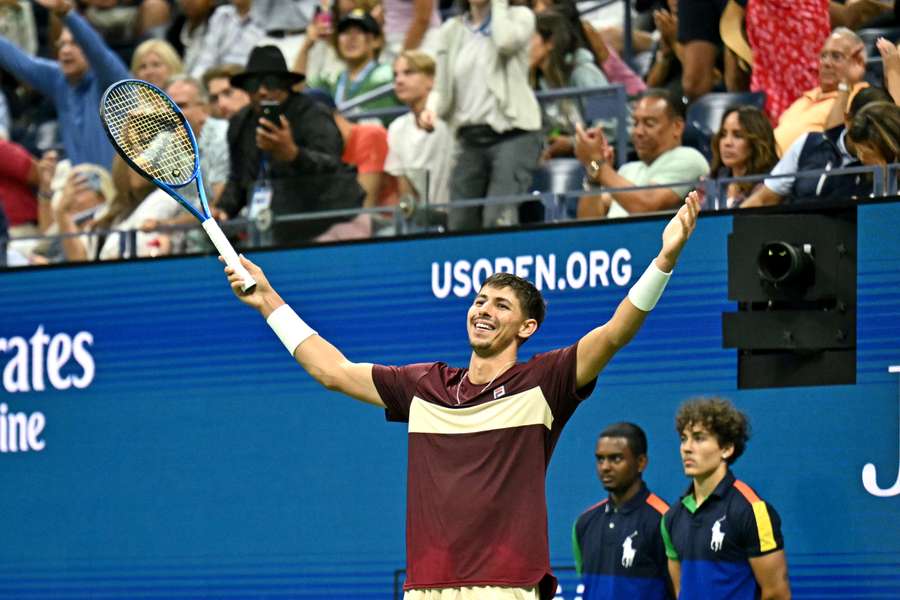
x=593, y=168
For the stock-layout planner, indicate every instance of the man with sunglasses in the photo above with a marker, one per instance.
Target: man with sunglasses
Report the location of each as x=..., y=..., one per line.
x=285, y=154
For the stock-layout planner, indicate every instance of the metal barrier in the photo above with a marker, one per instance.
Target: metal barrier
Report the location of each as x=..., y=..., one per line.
x=401, y=219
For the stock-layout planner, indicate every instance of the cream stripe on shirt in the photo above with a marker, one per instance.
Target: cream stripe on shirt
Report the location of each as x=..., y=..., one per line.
x=518, y=410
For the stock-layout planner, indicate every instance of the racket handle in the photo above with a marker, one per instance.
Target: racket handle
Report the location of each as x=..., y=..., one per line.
x=227, y=252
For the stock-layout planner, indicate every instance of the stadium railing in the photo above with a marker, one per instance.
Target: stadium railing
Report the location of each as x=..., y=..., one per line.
x=404, y=218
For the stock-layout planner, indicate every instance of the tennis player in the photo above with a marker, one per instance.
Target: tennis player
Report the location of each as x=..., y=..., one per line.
x=480, y=438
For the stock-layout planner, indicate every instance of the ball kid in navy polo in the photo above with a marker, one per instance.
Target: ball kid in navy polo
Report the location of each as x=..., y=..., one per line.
x=722, y=540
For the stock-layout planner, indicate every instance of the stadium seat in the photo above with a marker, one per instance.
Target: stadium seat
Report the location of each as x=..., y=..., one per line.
x=556, y=176
x=704, y=116
x=870, y=35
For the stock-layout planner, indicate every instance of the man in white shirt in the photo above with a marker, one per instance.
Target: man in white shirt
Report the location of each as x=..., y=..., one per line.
x=234, y=29
x=420, y=159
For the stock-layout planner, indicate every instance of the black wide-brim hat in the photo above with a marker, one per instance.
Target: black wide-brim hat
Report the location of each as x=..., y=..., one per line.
x=265, y=60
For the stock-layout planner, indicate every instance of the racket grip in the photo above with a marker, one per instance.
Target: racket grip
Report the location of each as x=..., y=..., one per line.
x=227, y=252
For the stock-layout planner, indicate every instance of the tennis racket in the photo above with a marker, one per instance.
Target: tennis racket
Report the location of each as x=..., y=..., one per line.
x=149, y=131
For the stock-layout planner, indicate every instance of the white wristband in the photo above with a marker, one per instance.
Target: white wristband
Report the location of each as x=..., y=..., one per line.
x=646, y=292
x=289, y=327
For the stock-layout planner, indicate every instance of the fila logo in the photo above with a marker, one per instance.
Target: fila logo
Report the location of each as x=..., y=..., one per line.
x=500, y=392
x=718, y=536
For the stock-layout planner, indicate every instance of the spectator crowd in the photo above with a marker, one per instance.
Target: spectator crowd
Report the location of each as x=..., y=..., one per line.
x=360, y=110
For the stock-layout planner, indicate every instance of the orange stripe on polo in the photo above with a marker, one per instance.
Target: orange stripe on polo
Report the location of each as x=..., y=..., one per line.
x=657, y=503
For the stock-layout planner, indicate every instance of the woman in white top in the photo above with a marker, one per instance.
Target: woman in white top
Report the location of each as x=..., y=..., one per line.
x=482, y=91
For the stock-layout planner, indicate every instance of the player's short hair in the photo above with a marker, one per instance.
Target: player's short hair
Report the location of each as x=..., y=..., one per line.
x=633, y=435
x=529, y=297
x=730, y=426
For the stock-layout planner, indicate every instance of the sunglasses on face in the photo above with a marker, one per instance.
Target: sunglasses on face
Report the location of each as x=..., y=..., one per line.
x=272, y=82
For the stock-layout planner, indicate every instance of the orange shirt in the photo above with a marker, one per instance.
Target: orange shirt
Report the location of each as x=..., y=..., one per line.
x=367, y=149
x=807, y=113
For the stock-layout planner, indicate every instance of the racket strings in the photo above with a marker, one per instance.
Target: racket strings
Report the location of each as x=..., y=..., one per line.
x=150, y=133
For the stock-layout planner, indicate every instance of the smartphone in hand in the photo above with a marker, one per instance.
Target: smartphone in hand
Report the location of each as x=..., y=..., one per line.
x=271, y=111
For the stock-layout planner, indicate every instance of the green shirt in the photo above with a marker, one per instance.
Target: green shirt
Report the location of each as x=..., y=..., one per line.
x=342, y=88
x=677, y=165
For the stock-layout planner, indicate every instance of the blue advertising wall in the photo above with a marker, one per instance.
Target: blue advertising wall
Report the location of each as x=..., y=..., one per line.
x=172, y=449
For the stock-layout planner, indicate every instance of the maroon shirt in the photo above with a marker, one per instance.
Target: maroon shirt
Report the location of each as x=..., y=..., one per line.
x=476, y=504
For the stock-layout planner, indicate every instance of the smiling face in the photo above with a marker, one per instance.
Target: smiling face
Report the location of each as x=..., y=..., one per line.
x=72, y=62
x=656, y=130
x=617, y=467
x=152, y=68
x=701, y=454
x=355, y=45
x=496, y=320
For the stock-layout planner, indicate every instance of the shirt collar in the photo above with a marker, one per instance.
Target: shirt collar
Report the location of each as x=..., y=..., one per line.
x=484, y=28
x=631, y=505
x=817, y=95
x=690, y=502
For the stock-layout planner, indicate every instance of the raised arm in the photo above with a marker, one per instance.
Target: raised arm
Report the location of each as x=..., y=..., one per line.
x=105, y=63
x=39, y=73
x=422, y=10
x=597, y=347
x=325, y=363
x=890, y=57
x=511, y=27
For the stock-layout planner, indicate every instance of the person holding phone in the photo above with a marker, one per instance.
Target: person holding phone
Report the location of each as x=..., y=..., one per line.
x=285, y=154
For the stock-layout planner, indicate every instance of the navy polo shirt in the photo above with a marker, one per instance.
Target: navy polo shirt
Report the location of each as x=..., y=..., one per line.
x=619, y=552
x=714, y=541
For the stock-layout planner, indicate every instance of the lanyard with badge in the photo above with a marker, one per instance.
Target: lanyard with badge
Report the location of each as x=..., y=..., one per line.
x=261, y=199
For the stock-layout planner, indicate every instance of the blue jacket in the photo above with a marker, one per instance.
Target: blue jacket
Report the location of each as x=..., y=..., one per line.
x=826, y=150
x=77, y=105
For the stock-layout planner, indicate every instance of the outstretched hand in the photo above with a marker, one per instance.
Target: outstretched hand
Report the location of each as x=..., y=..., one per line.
x=677, y=232
x=262, y=297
